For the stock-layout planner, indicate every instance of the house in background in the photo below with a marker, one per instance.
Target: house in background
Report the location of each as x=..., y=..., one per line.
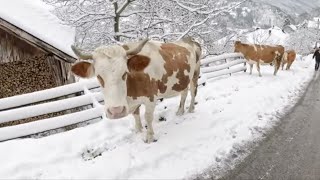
x=314, y=23
x=35, y=51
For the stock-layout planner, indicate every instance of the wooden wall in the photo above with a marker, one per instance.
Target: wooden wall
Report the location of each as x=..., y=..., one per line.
x=25, y=68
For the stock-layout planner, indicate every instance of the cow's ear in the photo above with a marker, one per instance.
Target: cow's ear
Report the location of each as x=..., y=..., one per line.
x=83, y=69
x=138, y=62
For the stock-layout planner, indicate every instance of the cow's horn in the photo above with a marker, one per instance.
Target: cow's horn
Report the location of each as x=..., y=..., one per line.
x=137, y=49
x=81, y=55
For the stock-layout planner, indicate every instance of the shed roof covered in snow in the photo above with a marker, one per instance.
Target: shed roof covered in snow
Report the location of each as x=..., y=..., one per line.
x=33, y=21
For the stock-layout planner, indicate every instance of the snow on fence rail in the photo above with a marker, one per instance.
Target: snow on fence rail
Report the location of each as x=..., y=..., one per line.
x=11, y=132
x=38, y=96
x=22, y=106
x=220, y=57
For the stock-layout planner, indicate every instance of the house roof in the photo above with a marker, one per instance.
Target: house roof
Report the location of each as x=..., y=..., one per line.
x=36, y=19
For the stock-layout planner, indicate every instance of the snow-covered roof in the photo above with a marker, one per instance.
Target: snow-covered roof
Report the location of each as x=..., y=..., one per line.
x=36, y=18
x=293, y=27
x=262, y=36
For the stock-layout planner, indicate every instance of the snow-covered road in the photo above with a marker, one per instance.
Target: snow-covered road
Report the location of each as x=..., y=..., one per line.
x=230, y=111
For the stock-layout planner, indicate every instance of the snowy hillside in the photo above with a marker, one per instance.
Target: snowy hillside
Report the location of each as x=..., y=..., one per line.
x=230, y=112
x=294, y=7
x=259, y=13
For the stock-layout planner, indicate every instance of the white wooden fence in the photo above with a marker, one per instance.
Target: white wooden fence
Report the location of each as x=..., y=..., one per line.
x=19, y=107
x=67, y=97
x=230, y=60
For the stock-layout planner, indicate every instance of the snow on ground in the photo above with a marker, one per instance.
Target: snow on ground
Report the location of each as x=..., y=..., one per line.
x=34, y=17
x=230, y=111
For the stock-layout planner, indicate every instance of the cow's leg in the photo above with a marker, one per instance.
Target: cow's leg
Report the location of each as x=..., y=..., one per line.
x=182, y=102
x=193, y=90
x=258, y=68
x=283, y=63
x=137, y=118
x=251, y=67
x=276, y=67
x=288, y=65
x=149, y=118
x=275, y=70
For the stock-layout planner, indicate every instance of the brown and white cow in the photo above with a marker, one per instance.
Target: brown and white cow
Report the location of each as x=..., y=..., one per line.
x=288, y=58
x=139, y=73
x=260, y=55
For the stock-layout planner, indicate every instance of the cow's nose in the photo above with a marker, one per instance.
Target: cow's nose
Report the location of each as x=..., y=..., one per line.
x=116, y=110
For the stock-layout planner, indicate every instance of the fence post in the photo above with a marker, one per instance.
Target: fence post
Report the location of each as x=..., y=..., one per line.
x=245, y=64
x=227, y=67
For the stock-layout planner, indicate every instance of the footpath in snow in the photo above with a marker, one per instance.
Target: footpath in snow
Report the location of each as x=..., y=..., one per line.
x=231, y=111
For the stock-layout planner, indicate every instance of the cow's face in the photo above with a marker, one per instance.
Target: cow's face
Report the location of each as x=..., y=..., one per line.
x=110, y=67
x=237, y=45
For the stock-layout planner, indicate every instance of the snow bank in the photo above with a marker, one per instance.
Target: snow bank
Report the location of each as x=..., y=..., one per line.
x=230, y=111
x=34, y=17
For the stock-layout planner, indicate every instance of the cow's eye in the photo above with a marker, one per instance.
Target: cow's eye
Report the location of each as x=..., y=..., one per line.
x=124, y=76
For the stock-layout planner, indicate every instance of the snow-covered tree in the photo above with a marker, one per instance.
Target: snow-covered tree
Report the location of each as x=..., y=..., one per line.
x=114, y=21
x=303, y=40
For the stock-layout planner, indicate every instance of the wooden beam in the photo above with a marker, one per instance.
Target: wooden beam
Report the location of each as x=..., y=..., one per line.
x=34, y=41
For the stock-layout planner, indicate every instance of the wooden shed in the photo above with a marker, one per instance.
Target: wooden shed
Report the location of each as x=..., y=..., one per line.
x=35, y=49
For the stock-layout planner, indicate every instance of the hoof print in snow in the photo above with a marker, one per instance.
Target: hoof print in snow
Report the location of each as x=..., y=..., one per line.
x=210, y=98
x=162, y=118
x=155, y=140
x=234, y=136
x=165, y=107
x=218, y=159
x=203, y=84
x=90, y=154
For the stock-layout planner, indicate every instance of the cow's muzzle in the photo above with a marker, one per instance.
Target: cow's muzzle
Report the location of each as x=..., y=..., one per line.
x=116, y=112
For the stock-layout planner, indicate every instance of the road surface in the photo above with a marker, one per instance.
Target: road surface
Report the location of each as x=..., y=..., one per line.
x=292, y=151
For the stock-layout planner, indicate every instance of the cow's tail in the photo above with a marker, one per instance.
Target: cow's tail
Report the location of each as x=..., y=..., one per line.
x=198, y=51
x=196, y=74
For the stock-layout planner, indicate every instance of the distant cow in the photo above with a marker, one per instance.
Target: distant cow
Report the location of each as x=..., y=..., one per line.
x=260, y=54
x=139, y=73
x=288, y=58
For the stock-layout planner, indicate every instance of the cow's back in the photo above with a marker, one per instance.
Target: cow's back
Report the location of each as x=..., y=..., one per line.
x=268, y=53
x=255, y=52
x=169, y=70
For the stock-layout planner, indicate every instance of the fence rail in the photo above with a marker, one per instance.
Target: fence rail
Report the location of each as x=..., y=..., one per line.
x=228, y=67
x=38, y=96
x=79, y=95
